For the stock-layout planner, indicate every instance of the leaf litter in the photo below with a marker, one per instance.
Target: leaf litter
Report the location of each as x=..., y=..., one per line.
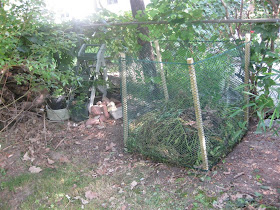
x=34, y=169
x=110, y=159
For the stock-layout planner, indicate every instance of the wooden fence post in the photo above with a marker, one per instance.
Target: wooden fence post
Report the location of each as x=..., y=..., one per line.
x=124, y=97
x=198, y=114
x=246, y=76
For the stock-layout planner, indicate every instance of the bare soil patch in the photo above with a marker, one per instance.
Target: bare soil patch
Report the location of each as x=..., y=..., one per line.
x=248, y=177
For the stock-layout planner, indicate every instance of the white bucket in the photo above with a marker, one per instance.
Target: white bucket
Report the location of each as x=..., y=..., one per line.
x=57, y=115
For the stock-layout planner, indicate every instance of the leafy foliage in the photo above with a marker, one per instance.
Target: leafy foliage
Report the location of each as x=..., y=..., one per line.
x=30, y=38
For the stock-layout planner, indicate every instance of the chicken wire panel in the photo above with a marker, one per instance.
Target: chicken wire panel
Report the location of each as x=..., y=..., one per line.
x=166, y=130
x=220, y=80
x=158, y=128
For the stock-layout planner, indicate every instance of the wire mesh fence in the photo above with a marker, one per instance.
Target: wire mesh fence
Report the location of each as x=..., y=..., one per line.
x=182, y=113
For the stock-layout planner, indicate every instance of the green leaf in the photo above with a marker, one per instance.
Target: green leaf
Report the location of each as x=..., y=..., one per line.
x=258, y=194
x=236, y=113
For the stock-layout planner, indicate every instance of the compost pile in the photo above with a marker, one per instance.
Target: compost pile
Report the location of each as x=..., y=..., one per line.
x=171, y=135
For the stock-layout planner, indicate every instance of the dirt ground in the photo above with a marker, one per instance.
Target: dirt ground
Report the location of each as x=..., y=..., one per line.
x=248, y=178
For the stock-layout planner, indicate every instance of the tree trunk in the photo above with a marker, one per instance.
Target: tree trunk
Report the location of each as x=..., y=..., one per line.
x=146, y=52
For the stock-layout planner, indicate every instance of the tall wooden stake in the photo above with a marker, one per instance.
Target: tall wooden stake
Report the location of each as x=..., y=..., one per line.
x=198, y=114
x=246, y=76
x=124, y=98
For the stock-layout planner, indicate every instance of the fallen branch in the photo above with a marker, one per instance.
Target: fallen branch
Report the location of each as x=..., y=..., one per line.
x=14, y=145
x=59, y=143
x=6, y=106
x=238, y=175
x=45, y=130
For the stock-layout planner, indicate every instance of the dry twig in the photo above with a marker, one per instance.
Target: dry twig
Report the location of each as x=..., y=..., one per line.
x=59, y=143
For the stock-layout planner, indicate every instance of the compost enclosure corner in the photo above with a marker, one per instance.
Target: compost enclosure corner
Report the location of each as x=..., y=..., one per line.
x=183, y=113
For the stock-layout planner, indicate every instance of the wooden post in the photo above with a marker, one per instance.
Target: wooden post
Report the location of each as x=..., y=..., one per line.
x=198, y=114
x=124, y=98
x=246, y=76
x=164, y=85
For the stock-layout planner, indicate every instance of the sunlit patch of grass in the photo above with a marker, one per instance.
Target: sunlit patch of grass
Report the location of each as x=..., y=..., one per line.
x=56, y=188
x=15, y=182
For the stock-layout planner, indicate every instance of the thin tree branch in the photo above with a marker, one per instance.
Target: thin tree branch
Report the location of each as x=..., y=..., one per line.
x=227, y=16
x=240, y=17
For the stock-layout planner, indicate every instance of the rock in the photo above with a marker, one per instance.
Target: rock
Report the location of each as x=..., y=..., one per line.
x=100, y=127
x=105, y=100
x=96, y=110
x=92, y=121
x=102, y=119
x=117, y=114
x=89, y=126
x=105, y=111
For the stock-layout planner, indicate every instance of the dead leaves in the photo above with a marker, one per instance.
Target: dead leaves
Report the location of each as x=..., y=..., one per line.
x=133, y=184
x=101, y=171
x=226, y=172
x=89, y=137
x=64, y=159
x=219, y=204
x=34, y=169
x=50, y=161
x=26, y=157
x=238, y=198
x=29, y=155
x=111, y=147
x=84, y=202
x=90, y=195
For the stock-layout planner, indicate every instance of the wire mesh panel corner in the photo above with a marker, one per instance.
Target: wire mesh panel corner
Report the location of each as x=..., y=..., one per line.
x=165, y=127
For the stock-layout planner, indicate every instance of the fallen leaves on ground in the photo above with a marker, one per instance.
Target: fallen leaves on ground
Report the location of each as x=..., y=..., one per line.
x=219, y=204
x=26, y=157
x=84, y=202
x=34, y=169
x=133, y=184
x=90, y=195
x=101, y=171
x=111, y=147
x=50, y=161
x=64, y=159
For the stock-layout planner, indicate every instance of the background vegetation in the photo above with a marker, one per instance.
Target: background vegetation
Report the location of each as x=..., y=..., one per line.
x=31, y=38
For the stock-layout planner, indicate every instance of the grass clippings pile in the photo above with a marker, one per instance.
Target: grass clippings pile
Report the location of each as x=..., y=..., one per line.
x=171, y=135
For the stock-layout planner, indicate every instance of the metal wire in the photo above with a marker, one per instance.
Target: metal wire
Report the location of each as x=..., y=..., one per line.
x=172, y=130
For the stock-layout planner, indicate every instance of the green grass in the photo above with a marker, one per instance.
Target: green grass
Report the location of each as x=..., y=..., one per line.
x=204, y=199
x=57, y=189
x=15, y=182
x=51, y=187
